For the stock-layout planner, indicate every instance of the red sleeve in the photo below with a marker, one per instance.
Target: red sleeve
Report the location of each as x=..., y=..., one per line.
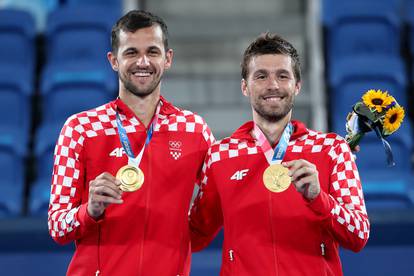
x=344, y=205
x=67, y=218
x=205, y=216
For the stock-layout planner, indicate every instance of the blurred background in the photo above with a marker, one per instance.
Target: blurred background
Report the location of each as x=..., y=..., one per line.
x=53, y=64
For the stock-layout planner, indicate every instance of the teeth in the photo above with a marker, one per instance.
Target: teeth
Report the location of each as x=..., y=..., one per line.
x=142, y=74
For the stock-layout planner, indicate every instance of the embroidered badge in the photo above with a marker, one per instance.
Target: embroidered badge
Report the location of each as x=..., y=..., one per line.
x=175, y=149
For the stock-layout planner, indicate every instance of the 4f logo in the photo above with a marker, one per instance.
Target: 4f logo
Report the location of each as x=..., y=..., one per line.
x=239, y=174
x=117, y=152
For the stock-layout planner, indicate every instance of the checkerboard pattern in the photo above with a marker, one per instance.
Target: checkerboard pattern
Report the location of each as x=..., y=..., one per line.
x=349, y=207
x=185, y=121
x=68, y=163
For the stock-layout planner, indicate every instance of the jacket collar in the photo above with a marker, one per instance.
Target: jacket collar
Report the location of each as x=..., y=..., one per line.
x=244, y=131
x=166, y=107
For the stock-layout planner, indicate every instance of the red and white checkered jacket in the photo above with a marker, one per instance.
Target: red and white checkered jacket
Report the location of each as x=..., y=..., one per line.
x=269, y=233
x=147, y=234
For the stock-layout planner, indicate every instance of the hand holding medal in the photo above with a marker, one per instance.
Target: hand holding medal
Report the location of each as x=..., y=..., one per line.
x=103, y=190
x=304, y=177
x=131, y=176
x=278, y=176
x=275, y=177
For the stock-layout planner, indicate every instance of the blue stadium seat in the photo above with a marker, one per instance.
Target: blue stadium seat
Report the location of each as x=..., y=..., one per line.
x=206, y=262
x=17, y=36
x=44, y=145
x=15, y=95
x=351, y=78
x=113, y=4
x=12, y=178
x=409, y=17
x=387, y=187
x=355, y=28
x=76, y=33
x=70, y=88
x=38, y=9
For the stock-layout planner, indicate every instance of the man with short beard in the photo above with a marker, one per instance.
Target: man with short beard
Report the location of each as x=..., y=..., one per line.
x=124, y=172
x=287, y=196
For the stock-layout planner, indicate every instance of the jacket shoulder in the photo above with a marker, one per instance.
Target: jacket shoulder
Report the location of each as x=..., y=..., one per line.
x=230, y=147
x=314, y=141
x=93, y=122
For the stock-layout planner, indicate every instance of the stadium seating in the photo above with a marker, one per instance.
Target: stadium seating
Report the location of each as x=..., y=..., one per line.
x=73, y=87
x=16, y=98
x=78, y=33
x=17, y=36
x=45, y=140
x=409, y=17
x=38, y=9
x=387, y=187
x=12, y=180
x=355, y=28
x=113, y=4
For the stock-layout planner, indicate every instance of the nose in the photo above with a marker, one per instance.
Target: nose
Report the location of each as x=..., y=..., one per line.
x=143, y=61
x=273, y=83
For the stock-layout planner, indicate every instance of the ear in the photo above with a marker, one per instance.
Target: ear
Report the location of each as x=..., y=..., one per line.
x=168, y=58
x=244, y=89
x=112, y=60
x=298, y=86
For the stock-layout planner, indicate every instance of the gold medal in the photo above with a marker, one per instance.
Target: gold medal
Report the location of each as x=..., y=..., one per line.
x=276, y=178
x=131, y=178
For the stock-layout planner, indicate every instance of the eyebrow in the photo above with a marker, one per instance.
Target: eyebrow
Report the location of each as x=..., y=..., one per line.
x=130, y=49
x=283, y=71
x=260, y=71
x=154, y=48
x=278, y=71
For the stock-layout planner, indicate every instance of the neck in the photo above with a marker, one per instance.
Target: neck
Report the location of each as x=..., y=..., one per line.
x=272, y=130
x=143, y=107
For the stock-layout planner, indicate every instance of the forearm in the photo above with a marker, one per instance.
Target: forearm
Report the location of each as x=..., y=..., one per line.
x=66, y=225
x=348, y=222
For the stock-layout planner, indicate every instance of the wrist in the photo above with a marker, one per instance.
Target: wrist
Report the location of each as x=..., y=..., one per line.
x=93, y=213
x=311, y=192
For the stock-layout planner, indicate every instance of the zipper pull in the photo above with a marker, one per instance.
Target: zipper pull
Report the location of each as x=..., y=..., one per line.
x=231, y=255
x=323, y=249
x=97, y=273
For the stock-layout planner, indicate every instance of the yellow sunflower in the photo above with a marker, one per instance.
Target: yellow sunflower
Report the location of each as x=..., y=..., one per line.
x=377, y=99
x=393, y=119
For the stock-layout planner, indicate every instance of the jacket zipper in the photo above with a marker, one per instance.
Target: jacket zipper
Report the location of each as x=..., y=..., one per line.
x=231, y=256
x=322, y=249
x=273, y=233
x=141, y=254
x=98, y=271
x=232, y=264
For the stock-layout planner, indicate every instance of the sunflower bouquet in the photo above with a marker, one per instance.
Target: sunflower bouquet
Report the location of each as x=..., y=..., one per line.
x=378, y=111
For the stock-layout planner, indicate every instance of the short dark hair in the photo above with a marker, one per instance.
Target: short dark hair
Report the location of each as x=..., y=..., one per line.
x=268, y=43
x=134, y=20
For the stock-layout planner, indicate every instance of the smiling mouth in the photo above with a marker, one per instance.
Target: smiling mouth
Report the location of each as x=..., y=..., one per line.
x=273, y=98
x=142, y=73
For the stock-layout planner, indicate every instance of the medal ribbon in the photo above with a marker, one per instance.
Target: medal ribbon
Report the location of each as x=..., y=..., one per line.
x=123, y=137
x=274, y=156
